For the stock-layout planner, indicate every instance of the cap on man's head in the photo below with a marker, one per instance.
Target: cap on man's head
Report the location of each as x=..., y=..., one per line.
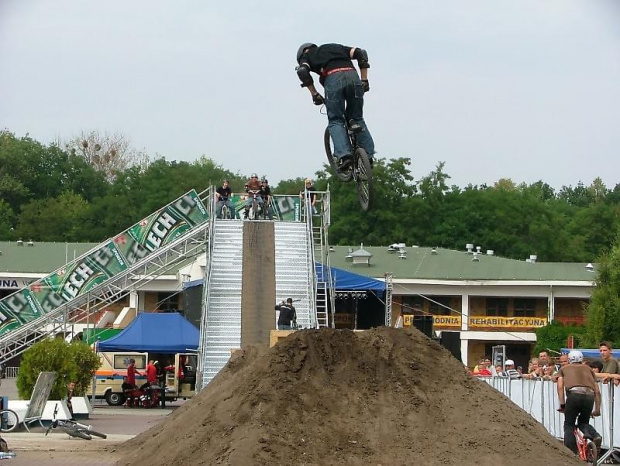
x=289, y=300
x=510, y=362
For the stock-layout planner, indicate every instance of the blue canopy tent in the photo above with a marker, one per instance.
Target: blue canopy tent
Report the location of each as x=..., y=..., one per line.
x=164, y=333
x=349, y=281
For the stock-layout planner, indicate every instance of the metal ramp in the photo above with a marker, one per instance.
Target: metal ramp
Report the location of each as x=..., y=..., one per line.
x=221, y=319
x=160, y=259
x=295, y=273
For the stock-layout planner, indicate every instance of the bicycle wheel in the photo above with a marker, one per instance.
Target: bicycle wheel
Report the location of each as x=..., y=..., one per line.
x=343, y=176
x=591, y=453
x=97, y=434
x=76, y=432
x=9, y=420
x=362, y=171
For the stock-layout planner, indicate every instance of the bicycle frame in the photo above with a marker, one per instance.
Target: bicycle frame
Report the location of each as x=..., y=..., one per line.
x=582, y=445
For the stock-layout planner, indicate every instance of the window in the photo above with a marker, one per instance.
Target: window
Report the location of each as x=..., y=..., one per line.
x=525, y=307
x=168, y=301
x=497, y=307
x=440, y=305
x=413, y=305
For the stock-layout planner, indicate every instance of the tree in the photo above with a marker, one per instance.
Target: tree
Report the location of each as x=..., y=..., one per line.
x=107, y=153
x=554, y=336
x=603, y=312
x=72, y=362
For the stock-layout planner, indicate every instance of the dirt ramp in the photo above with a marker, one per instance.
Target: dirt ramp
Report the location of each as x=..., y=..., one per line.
x=385, y=396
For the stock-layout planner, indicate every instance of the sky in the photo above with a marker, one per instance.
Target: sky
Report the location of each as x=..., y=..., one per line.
x=527, y=90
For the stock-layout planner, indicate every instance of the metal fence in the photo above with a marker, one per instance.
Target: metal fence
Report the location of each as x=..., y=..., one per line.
x=539, y=398
x=11, y=372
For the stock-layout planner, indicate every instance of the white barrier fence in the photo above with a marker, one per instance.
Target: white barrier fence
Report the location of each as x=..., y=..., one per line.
x=539, y=398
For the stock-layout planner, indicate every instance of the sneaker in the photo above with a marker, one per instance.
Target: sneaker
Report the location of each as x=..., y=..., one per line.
x=597, y=441
x=344, y=163
x=371, y=159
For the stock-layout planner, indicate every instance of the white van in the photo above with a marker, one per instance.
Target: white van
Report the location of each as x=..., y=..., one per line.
x=180, y=375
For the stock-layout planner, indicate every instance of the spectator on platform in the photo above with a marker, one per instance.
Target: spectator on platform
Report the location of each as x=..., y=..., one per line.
x=534, y=370
x=548, y=372
x=499, y=370
x=562, y=362
x=310, y=192
x=544, y=360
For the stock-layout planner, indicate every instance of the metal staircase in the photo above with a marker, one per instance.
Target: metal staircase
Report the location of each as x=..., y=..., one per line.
x=295, y=270
x=221, y=318
x=158, y=262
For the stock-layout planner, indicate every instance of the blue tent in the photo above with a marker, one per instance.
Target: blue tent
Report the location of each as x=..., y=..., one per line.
x=349, y=281
x=166, y=333
x=592, y=353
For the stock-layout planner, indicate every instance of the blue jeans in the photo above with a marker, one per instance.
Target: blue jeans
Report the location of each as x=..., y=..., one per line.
x=344, y=101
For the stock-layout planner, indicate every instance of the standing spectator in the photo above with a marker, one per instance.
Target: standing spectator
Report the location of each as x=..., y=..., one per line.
x=223, y=195
x=151, y=373
x=309, y=194
x=131, y=373
x=70, y=389
x=610, y=364
x=534, y=370
x=481, y=369
x=499, y=371
x=265, y=192
x=543, y=360
x=510, y=369
x=288, y=317
x=562, y=362
x=578, y=394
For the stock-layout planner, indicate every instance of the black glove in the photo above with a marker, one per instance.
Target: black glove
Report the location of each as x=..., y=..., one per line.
x=366, y=85
x=317, y=99
x=561, y=408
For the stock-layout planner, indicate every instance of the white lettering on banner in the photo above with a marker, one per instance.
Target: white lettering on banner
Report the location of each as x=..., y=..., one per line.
x=76, y=280
x=160, y=229
x=137, y=252
x=185, y=204
x=17, y=302
x=51, y=302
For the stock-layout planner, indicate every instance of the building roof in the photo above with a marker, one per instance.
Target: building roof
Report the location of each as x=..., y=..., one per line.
x=38, y=257
x=420, y=263
x=446, y=264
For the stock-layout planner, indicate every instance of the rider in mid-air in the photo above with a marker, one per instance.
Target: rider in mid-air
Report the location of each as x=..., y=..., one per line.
x=252, y=185
x=344, y=92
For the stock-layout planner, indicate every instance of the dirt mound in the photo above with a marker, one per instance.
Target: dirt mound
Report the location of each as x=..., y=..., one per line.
x=381, y=397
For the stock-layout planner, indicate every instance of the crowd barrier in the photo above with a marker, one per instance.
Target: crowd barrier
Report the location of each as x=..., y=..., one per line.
x=539, y=398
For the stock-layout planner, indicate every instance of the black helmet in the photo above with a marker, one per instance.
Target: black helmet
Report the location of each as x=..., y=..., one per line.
x=302, y=47
x=264, y=180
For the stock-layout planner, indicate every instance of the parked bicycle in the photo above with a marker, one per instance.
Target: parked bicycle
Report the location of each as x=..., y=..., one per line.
x=225, y=213
x=360, y=169
x=8, y=420
x=73, y=428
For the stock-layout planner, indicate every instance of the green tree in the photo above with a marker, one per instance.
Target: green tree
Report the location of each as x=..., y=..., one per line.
x=554, y=336
x=603, y=312
x=74, y=362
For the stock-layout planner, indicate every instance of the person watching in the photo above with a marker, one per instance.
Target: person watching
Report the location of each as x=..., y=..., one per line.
x=579, y=398
x=310, y=194
x=223, y=194
x=288, y=316
x=610, y=364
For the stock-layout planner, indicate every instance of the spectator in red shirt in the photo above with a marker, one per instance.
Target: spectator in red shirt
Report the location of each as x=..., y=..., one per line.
x=151, y=373
x=482, y=369
x=131, y=372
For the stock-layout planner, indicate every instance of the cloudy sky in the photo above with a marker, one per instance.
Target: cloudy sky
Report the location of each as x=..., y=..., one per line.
x=526, y=89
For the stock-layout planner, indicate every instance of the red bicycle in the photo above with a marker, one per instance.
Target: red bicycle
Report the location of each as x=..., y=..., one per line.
x=588, y=450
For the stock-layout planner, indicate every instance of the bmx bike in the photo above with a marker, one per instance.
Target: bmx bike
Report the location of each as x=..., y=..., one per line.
x=8, y=420
x=588, y=450
x=360, y=169
x=254, y=212
x=73, y=428
x=225, y=213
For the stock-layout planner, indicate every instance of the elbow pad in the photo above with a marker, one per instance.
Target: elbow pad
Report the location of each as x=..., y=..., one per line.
x=303, y=72
x=362, y=58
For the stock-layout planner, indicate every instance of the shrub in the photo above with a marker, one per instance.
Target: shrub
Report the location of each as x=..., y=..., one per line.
x=74, y=362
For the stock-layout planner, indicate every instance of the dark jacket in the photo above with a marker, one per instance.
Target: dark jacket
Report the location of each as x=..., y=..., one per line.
x=287, y=314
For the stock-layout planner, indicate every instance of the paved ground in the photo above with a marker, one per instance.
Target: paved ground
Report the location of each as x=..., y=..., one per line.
x=119, y=424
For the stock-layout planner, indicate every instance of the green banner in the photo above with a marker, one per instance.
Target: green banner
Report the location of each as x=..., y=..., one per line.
x=77, y=277
x=288, y=208
x=17, y=309
x=162, y=227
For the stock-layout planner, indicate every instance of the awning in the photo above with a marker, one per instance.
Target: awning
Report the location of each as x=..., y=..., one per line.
x=349, y=281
